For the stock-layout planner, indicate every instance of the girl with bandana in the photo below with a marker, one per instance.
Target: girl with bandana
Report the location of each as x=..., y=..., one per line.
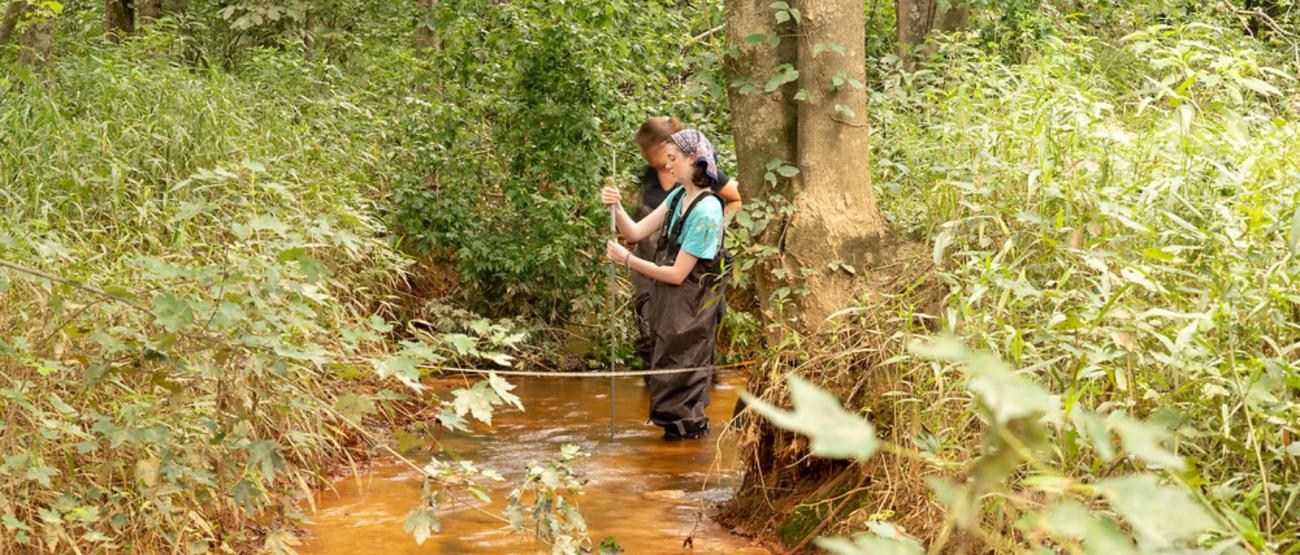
x=656, y=182
x=689, y=277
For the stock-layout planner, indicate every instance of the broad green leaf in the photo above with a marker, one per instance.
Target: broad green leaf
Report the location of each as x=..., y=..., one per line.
x=870, y=544
x=41, y=474
x=834, y=432
x=463, y=344
x=784, y=73
x=172, y=312
x=502, y=389
x=476, y=401
x=1259, y=86
x=421, y=524
x=1006, y=395
x=1143, y=440
x=354, y=407
x=1159, y=514
x=281, y=542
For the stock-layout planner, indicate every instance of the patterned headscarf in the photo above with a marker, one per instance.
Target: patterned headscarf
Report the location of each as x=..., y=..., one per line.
x=694, y=145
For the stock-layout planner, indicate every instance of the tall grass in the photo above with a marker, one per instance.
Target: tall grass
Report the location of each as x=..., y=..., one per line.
x=231, y=217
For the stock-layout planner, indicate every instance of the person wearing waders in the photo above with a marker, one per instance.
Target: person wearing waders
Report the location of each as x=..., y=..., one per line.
x=656, y=182
x=688, y=274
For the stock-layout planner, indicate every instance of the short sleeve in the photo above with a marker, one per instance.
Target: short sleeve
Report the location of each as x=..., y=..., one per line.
x=703, y=231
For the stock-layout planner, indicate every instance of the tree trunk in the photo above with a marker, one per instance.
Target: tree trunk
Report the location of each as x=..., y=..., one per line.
x=836, y=219
x=763, y=123
x=824, y=134
x=10, y=21
x=425, y=35
x=152, y=10
x=36, y=41
x=917, y=18
x=119, y=18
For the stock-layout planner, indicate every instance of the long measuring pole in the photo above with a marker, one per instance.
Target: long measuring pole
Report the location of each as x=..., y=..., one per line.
x=613, y=329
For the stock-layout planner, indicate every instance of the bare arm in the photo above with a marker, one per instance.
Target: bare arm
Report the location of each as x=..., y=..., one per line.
x=672, y=275
x=730, y=195
x=632, y=230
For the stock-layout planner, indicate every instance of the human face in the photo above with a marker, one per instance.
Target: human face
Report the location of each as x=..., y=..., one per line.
x=655, y=155
x=679, y=163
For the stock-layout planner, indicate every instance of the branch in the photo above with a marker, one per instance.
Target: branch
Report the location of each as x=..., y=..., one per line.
x=78, y=285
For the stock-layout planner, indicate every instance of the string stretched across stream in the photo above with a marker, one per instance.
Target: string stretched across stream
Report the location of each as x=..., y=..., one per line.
x=641, y=489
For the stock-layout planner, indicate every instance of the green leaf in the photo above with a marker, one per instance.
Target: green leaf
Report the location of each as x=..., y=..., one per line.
x=1295, y=232
x=377, y=323
x=354, y=407
x=755, y=38
x=787, y=171
x=448, y=417
x=871, y=544
x=1160, y=515
x=267, y=222
x=41, y=474
x=281, y=542
x=1004, y=394
x=502, y=389
x=784, y=73
x=1142, y=440
x=173, y=313
x=463, y=344
x=1260, y=87
x=835, y=432
x=476, y=401
x=12, y=523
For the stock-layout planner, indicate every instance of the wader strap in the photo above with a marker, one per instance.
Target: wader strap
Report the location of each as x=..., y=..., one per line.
x=674, y=235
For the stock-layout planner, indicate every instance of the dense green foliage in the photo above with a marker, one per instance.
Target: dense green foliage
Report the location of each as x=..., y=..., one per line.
x=525, y=107
x=1117, y=216
x=1109, y=193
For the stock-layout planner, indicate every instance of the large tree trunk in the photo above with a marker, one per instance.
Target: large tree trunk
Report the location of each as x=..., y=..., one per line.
x=12, y=12
x=119, y=18
x=824, y=134
x=836, y=219
x=917, y=18
x=36, y=41
x=763, y=123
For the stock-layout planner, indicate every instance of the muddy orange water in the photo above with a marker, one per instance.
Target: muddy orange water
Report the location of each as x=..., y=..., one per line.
x=642, y=490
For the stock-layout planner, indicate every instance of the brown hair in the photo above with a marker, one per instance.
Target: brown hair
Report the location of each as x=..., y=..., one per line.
x=699, y=176
x=657, y=130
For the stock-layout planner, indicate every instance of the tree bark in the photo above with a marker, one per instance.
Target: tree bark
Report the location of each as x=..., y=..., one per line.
x=152, y=10
x=836, y=218
x=763, y=124
x=425, y=35
x=824, y=134
x=35, y=41
x=119, y=18
x=10, y=21
x=917, y=18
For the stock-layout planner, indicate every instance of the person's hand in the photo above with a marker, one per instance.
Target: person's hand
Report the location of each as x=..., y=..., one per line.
x=610, y=195
x=615, y=252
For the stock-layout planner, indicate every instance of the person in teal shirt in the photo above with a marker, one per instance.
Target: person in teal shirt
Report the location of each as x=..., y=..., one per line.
x=689, y=280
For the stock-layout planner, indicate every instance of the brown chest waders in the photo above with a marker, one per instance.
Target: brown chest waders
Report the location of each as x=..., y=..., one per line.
x=683, y=324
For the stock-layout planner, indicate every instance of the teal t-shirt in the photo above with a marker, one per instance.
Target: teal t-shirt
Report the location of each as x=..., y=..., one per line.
x=702, y=233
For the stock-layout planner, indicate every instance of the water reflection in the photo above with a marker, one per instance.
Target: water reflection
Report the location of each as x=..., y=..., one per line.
x=641, y=489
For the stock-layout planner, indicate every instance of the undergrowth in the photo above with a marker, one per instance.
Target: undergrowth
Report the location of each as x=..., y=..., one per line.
x=1117, y=218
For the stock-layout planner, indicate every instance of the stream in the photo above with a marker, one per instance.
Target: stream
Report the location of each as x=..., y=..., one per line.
x=643, y=490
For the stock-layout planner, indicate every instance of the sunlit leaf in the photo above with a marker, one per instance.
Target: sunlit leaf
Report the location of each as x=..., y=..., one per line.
x=834, y=432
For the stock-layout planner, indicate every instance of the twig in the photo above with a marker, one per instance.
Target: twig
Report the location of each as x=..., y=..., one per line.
x=76, y=284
